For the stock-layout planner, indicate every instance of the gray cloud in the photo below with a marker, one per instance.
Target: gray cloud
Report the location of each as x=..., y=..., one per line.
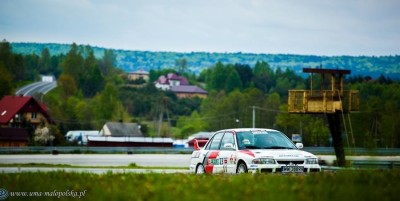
x=322, y=27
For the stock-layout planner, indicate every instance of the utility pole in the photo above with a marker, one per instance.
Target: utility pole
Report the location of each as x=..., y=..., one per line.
x=254, y=116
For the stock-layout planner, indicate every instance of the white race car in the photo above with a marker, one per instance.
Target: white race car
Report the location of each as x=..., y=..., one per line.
x=251, y=150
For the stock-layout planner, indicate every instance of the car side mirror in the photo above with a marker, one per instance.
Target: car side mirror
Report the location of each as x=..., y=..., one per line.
x=229, y=146
x=299, y=145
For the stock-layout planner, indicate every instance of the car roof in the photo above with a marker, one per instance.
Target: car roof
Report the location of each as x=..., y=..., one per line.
x=248, y=129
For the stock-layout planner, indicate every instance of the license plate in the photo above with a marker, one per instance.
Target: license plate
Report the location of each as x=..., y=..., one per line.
x=292, y=169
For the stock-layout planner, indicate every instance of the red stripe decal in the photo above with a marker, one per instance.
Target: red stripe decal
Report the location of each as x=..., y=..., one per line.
x=248, y=152
x=209, y=168
x=213, y=155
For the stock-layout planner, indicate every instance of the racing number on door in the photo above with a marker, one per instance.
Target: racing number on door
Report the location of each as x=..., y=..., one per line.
x=225, y=167
x=210, y=161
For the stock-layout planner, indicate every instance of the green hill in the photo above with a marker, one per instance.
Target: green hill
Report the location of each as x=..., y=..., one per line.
x=130, y=60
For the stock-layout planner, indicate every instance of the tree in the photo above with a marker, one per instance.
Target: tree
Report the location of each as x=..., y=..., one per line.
x=67, y=84
x=42, y=136
x=209, y=108
x=263, y=76
x=263, y=82
x=181, y=65
x=233, y=81
x=6, y=56
x=190, y=125
x=85, y=115
x=20, y=71
x=155, y=74
x=73, y=64
x=32, y=63
x=316, y=132
x=282, y=86
x=91, y=79
x=5, y=81
x=217, y=77
x=271, y=106
x=246, y=74
x=107, y=106
x=288, y=123
x=70, y=112
x=108, y=62
x=56, y=67
x=45, y=62
x=261, y=68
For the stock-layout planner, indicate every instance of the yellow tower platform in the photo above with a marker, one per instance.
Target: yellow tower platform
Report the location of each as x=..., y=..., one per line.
x=331, y=99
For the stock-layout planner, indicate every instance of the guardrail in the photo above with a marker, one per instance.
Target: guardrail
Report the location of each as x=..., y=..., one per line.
x=173, y=150
x=354, y=151
x=385, y=163
x=85, y=149
x=375, y=164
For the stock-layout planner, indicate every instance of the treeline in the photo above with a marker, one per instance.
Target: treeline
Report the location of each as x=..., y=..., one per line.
x=128, y=61
x=235, y=90
x=92, y=91
x=87, y=92
x=378, y=122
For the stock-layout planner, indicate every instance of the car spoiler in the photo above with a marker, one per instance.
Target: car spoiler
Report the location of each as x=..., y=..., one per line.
x=196, y=143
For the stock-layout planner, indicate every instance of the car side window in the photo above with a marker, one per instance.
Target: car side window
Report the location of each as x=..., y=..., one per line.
x=244, y=139
x=229, y=140
x=215, y=142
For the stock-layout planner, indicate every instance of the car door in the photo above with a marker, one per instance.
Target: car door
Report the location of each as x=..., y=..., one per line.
x=227, y=154
x=211, y=161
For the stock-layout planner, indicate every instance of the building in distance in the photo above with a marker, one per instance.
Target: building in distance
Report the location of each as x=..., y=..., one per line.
x=180, y=86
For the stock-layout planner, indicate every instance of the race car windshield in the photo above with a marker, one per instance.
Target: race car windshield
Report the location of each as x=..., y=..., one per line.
x=263, y=140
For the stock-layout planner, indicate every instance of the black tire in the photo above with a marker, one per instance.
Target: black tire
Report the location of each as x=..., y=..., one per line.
x=241, y=168
x=200, y=169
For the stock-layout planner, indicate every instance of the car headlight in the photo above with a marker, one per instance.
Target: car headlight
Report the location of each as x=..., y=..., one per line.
x=311, y=161
x=263, y=161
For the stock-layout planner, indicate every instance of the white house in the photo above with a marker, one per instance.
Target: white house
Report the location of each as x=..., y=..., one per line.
x=166, y=82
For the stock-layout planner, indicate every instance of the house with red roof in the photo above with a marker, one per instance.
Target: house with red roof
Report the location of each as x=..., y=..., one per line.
x=166, y=82
x=14, y=137
x=180, y=86
x=189, y=91
x=19, y=112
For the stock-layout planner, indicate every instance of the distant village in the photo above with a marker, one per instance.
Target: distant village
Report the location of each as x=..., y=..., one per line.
x=20, y=114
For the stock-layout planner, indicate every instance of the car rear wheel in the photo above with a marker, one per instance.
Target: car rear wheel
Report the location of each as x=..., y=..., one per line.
x=241, y=168
x=200, y=169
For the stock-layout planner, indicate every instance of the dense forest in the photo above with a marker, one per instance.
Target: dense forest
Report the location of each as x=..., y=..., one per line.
x=92, y=90
x=128, y=60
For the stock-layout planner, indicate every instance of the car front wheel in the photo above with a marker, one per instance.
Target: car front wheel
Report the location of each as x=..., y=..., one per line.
x=200, y=169
x=241, y=168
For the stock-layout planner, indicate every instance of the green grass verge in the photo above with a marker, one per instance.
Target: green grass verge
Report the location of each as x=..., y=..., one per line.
x=130, y=166
x=342, y=185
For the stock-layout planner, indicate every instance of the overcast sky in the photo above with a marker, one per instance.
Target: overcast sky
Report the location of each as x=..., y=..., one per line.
x=319, y=27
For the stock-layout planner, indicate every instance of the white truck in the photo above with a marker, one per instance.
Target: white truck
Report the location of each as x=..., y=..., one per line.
x=80, y=136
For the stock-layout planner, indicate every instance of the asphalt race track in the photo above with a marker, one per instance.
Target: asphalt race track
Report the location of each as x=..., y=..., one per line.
x=89, y=170
x=152, y=160
x=37, y=87
x=144, y=160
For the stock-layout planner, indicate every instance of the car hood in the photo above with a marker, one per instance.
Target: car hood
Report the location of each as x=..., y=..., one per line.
x=282, y=153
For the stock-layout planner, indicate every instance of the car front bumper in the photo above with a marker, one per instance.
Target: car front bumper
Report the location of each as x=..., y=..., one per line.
x=277, y=168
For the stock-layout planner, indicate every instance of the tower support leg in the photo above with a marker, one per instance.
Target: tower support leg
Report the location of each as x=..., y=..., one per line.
x=334, y=121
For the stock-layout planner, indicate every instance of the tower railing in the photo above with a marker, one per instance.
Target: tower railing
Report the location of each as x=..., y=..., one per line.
x=323, y=101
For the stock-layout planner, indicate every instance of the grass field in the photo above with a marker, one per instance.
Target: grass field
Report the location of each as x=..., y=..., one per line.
x=342, y=185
